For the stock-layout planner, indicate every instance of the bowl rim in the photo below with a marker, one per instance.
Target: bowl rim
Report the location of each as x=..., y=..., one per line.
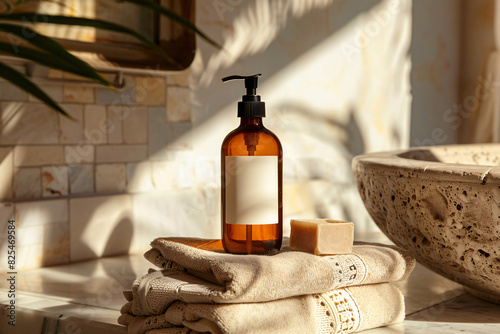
x=393, y=163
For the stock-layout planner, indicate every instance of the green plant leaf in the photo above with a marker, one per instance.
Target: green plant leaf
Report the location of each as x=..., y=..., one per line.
x=40, y=58
x=173, y=16
x=85, y=22
x=20, y=80
x=51, y=46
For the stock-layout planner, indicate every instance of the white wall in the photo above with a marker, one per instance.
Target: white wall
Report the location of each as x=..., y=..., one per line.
x=335, y=82
x=435, y=54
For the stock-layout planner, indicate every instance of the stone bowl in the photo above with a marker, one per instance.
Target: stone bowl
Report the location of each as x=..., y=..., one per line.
x=442, y=204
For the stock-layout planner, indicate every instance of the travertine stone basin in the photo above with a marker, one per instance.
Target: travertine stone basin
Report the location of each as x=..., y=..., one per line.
x=442, y=204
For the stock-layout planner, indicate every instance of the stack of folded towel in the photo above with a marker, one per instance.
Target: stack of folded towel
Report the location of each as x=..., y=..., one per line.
x=200, y=288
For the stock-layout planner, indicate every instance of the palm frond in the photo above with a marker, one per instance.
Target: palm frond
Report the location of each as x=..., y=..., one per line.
x=52, y=47
x=20, y=80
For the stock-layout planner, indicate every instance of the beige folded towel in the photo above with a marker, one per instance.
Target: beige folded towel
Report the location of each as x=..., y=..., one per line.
x=218, y=277
x=344, y=310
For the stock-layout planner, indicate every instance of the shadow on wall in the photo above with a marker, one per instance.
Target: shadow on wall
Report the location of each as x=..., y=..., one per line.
x=326, y=169
x=269, y=37
x=326, y=82
x=343, y=137
x=278, y=39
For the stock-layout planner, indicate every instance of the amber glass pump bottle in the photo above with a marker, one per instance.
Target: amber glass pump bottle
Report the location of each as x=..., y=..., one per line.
x=252, y=169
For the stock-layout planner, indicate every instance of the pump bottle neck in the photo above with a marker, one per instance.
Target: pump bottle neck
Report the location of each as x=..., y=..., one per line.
x=251, y=120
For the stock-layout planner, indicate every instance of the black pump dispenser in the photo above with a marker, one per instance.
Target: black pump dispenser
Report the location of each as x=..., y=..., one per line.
x=250, y=104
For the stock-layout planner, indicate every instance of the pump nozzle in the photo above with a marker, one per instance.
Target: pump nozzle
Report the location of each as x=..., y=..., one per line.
x=251, y=105
x=250, y=82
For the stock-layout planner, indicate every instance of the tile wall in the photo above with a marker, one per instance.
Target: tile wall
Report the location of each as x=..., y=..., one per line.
x=106, y=182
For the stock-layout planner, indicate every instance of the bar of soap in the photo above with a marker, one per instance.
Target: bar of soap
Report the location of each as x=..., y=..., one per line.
x=321, y=236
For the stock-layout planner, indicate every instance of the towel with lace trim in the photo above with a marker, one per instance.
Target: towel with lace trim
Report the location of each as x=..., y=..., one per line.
x=210, y=275
x=344, y=310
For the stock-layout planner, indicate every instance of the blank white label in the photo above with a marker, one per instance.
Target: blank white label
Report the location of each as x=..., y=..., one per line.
x=252, y=190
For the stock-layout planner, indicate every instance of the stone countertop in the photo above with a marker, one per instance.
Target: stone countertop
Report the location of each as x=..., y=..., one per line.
x=86, y=297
